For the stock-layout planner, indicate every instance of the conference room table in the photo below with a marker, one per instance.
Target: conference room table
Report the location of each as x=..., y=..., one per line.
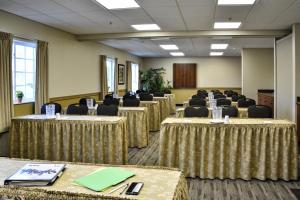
x=172, y=103
x=242, y=112
x=90, y=139
x=164, y=107
x=159, y=183
x=186, y=103
x=242, y=149
x=137, y=124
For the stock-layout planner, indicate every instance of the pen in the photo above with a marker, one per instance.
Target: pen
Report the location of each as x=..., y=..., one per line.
x=118, y=188
x=124, y=189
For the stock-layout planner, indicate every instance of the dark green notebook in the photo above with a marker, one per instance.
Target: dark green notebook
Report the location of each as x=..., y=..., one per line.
x=104, y=178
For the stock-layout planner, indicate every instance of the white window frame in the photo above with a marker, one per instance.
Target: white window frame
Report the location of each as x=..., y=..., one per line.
x=110, y=70
x=26, y=43
x=135, y=76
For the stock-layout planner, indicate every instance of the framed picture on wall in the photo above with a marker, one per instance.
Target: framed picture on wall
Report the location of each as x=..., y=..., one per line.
x=121, y=74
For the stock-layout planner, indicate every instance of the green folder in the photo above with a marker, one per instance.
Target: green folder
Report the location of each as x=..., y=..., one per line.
x=103, y=179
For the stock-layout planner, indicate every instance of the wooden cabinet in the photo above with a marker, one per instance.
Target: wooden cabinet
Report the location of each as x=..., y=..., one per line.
x=266, y=97
x=184, y=75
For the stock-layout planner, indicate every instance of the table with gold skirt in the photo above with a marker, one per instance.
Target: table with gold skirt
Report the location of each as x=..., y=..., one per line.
x=159, y=183
x=164, y=107
x=172, y=104
x=244, y=148
x=92, y=139
x=242, y=112
x=186, y=104
x=137, y=124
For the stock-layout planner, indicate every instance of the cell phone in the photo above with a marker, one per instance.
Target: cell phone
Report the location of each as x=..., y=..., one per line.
x=134, y=188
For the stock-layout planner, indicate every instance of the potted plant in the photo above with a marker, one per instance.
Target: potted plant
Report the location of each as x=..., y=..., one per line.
x=19, y=95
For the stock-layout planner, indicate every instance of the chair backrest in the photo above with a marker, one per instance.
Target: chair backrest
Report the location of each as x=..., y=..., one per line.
x=131, y=102
x=190, y=111
x=139, y=91
x=259, y=111
x=219, y=96
x=158, y=94
x=146, y=97
x=107, y=110
x=197, y=102
x=242, y=103
x=75, y=109
x=83, y=102
x=223, y=102
x=57, y=108
x=202, y=93
x=231, y=111
x=129, y=96
x=197, y=96
x=234, y=98
x=109, y=96
x=112, y=101
x=251, y=102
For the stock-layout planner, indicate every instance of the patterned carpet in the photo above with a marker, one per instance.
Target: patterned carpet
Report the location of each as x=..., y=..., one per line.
x=219, y=189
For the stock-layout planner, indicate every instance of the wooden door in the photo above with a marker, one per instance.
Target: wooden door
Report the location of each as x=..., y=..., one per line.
x=184, y=75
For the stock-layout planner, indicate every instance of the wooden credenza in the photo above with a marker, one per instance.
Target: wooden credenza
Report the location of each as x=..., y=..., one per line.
x=266, y=97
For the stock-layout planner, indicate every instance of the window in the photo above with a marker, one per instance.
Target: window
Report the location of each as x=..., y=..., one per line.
x=110, y=64
x=24, y=68
x=135, y=76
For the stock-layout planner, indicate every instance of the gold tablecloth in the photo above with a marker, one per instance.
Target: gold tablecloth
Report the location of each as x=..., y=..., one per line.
x=242, y=112
x=186, y=104
x=137, y=123
x=172, y=104
x=245, y=148
x=154, y=114
x=90, y=139
x=159, y=184
x=164, y=107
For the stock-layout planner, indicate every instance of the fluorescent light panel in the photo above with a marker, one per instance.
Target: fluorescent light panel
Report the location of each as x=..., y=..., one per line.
x=236, y=2
x=227, y=25
x=169, y=46
x=118, y=4
x=176, y=54
x=216, y=53
x=218, y=46
x=146, y=27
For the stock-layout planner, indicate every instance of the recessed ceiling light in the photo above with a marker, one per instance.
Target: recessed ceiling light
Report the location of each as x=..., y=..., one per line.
x=218, y=46
x=118, y=4
x=216, y=53
x=236, y=2
x=146, y=27
x=227, y=25
x=169, y=46
x=177, y=54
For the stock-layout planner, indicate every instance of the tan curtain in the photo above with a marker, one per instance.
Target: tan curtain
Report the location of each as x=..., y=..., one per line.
x=103, y=76
x=6, y=96
x=128, y=76
x=42, y=70
x=116, y=77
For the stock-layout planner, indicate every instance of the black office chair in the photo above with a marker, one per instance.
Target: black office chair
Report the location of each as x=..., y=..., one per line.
x=196, y=112
x=234, y=98
x=57, y=108
x=223, y=102
x=197, y=102
x=139, y=91
x=259, y=111
x=219, y=96
x=146, y=97
x=75, y=109
x=196, y=96
x=107, y=110
x=242, y=103
x=129, y=95
x=113, y=101
x=131, y=102
x=158, y=94
x=202, y=93
x=231, y=111
x=251, y=102
x=83, y=102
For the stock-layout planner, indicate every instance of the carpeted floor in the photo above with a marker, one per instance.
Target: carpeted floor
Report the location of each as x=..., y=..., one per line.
x=219, y=189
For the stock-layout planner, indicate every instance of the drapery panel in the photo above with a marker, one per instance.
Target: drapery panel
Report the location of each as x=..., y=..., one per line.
x=103, y=76
x=128, y=76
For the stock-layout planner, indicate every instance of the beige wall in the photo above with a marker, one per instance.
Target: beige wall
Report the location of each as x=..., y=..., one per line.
x=257, y=70
x=211, y=71
x=74, y=65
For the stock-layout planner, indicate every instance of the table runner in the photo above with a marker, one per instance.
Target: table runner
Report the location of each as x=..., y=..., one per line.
x=159, y=183
x=73, y=138
x=245, y=148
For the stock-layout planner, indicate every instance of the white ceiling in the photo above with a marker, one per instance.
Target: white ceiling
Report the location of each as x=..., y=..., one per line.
x=86, y=17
